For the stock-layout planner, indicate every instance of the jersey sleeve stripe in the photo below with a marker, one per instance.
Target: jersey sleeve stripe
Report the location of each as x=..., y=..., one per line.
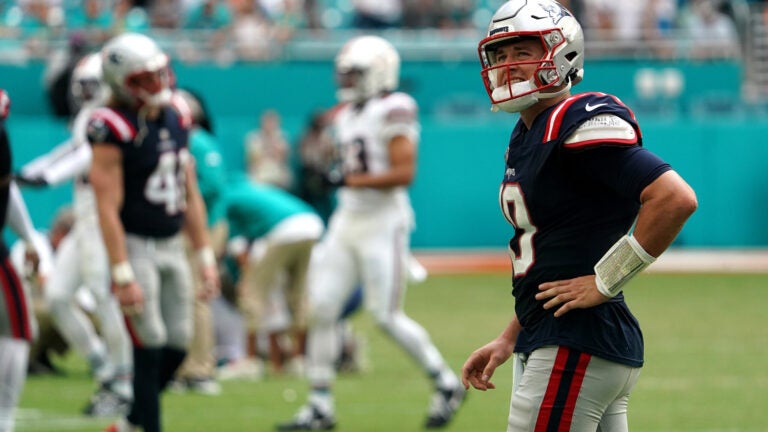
x=596, y=142
x=117, y=123
x=5, y=104
x=555, y=120
x=15, y=301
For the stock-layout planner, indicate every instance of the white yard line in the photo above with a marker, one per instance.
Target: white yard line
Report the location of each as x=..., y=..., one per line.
x=33, y=420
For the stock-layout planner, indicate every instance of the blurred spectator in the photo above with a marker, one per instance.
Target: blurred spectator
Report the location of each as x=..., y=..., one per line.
x=208, y=24
x=93, y=20
x=127, y=16
x=287, y=16
x=418, y=14
x=317, y=155
x=165, y=14
x=36, y=23
x=443, y=14
x=712, y=33
x=312, y=11
x=377, y=14
x=615, y=20
x=659, y=22
x=267, y=153
x=251, y=31
x=58, y=71
x=208, y=15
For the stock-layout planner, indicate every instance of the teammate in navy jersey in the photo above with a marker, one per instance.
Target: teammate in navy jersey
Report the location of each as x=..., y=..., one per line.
x=17, y=325
x=146, y=194
x=576, y=179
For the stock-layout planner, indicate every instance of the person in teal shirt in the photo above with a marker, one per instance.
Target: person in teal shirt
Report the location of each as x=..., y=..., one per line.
x=281, y=231
x=278, y=230
x=208, y=15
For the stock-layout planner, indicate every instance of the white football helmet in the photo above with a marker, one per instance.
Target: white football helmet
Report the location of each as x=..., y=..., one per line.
x=86, y=85
x=562, y=64
x=137, y=70
x=365, y=67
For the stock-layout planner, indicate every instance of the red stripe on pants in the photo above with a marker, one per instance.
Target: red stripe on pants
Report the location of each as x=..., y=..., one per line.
x=573, y=394
x=15, y=302
x=559, y=377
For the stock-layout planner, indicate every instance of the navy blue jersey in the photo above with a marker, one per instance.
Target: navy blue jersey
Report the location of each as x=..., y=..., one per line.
x=154, y=156
x=570, y=201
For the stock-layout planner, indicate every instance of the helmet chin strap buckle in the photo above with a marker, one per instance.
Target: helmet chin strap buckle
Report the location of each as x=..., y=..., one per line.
x=567, y=87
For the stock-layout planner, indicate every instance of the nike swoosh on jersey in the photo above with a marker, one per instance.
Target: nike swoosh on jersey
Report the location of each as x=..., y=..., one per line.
x=589, y=107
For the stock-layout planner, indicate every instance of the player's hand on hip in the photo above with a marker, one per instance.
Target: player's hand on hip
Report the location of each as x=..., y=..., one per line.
x=211, y=283
x=566, y=295
x=130, y=297
x=481, y=364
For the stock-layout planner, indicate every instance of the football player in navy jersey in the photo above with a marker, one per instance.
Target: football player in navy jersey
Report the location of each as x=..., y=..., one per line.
x=146, y=194
x=577, y=178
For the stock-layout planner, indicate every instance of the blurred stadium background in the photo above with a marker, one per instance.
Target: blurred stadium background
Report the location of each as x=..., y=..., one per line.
x=694, y=71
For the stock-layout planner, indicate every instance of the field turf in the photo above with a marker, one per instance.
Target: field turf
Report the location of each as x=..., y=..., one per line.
x=706, y=366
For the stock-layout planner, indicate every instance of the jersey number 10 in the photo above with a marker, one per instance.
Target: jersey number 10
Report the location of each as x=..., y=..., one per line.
x=516, y=212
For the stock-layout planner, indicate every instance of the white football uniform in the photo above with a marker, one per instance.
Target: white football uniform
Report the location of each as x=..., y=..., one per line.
x=81, y=261
x=367, y=242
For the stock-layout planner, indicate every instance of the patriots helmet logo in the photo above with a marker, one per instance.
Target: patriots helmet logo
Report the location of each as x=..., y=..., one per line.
x=555, y=11
x=114, y=58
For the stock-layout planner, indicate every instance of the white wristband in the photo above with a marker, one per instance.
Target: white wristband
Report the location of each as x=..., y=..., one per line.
x=122, y=273
x=206, y=257
x=622, y=262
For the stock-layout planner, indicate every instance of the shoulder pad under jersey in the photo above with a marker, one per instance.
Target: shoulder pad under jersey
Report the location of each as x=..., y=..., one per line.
x=107, y=125
x=183, y=109
x=572, y=113
x=600, y=129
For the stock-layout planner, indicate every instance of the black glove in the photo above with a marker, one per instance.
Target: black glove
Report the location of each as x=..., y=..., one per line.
x=23, y=180
x=334, y=178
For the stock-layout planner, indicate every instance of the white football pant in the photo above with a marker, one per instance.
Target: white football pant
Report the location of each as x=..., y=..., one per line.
x=81, y=261
x=14, y=354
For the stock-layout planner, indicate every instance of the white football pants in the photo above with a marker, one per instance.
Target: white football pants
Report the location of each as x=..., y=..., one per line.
x=371, y=249
x=558, y=388
x=81, y=261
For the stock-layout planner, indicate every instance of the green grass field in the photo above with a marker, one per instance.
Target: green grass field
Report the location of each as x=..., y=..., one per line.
x=706, y=366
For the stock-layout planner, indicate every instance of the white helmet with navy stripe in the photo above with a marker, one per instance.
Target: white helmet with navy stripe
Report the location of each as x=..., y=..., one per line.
x=562, y=64
x=137, y=70
x=366, y=66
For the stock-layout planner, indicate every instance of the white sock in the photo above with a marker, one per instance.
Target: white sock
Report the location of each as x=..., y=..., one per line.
x=446, y=379
x=323, y=400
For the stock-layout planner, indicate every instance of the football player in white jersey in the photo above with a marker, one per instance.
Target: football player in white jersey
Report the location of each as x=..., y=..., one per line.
x=81, y=259
x=368, y=237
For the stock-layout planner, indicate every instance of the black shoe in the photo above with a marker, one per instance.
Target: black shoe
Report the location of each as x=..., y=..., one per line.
x=309, y=418
x=444, y=405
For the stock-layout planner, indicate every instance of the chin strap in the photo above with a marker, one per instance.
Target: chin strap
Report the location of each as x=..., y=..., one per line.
x=540, y=95
x=557, y=93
